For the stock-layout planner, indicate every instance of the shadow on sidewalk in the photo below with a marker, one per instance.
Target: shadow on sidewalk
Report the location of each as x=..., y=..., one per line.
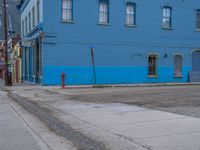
x=2, y=83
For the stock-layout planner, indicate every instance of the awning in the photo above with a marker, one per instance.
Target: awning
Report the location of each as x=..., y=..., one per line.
x=30, y=41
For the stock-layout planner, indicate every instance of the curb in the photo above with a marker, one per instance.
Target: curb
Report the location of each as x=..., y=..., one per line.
x=146, y=85
x=126, y=85
x=81, y=141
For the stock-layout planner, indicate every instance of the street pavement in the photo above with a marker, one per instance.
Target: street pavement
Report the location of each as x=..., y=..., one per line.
x=180, y=99
x=19, y=130
x=117, y=125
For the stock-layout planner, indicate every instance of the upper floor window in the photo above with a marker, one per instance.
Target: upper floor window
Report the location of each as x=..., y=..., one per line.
x=198, y=19
x=103, y=11
x=152, y=65
x=167, y=17
x=38, y=11
x=33, y=17
x=67, y=10
x=26, y=26
x=29, y=21
x=130, y=14
x=23, y=29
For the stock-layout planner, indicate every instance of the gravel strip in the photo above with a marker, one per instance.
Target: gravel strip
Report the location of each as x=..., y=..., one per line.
x=81, y=141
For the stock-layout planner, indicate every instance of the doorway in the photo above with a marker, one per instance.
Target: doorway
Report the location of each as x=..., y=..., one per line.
x=196, y=61
x=194, y=75
x=37, y=63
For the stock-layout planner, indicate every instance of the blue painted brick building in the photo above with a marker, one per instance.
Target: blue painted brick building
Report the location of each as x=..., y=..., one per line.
x=110, y=41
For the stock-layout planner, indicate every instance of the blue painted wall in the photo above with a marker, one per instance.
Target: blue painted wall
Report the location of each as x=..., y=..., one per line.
x=120, y=51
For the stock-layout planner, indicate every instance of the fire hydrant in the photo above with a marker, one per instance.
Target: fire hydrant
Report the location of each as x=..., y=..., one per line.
x=63, y=80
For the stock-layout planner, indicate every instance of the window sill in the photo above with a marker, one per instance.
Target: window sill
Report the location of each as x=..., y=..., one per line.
x=197, y=30
x=129, y=25
x=66, y=21
x=167, y=28
x=178, y=76
x=104, y=24
x=153, y=76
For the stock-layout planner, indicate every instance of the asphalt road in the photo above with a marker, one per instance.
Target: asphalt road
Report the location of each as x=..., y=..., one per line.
x=183, y=100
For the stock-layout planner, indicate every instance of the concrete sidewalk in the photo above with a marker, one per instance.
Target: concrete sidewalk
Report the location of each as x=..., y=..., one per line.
x=19, y=130
x=14, y=133
x=117, y=126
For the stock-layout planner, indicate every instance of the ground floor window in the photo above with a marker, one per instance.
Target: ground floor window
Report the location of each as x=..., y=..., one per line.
x=177, y=66
x=37, y=60
x=152, y=65
x=34, y=60
x=27, y=63
x=40, y=58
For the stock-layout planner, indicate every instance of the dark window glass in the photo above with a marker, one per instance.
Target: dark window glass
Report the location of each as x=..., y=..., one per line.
x=29, y=21
x=33, y=17
x=23, y=32
x=38, y=11
x=198, y=18
x=26, y=26
x=152, y=65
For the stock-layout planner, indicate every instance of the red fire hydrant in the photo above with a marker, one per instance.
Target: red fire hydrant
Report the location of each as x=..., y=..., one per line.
x=63, y=80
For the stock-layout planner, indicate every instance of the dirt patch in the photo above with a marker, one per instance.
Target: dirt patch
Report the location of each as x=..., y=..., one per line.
x=177, y=99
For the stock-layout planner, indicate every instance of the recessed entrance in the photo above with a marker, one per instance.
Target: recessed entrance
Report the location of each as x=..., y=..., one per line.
x=195, y=73
x=37, y=61
x=196, y=61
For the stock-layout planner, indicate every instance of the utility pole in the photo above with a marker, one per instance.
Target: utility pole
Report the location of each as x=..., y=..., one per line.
x=8, y=79
x=93, y=65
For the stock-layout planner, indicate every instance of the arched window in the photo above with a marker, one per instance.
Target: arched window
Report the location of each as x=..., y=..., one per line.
x=178, y=65
x=152, y=65
x=103, y=11
x=196, y=60
x=67, y=10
